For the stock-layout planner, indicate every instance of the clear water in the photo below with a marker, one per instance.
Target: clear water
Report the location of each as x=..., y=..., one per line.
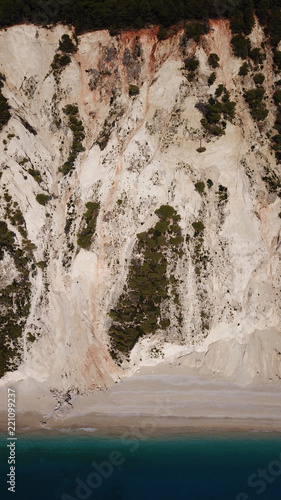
x=83, y=465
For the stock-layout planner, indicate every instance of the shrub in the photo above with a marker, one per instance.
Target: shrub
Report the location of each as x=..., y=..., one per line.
x=60, y=61
x=200, y=187
x=212, y=78
x=241, y=46
x=70, y=109
x=257, y=56
x=6, y=237
x=194, y=29
x=76, y=126
x=214, y=109
x=191, y=76
x=162, y=33
x=219, y=90
x=237, y=21
x=277, y=59
x=41, y=264
x=66, y=44
x=277, y=97
x=30, y=337
x=35, y=174
x=223, y=193
x=191, y=64
x=64, y=60
x=216, y=130
x=165, y=212
x=42, y=198
x=134, y=90
x=4, y=110
x=228, y=109
x=198, y=226
x=84, y=237
x=259, y=78
x=254, y=97
x=161, y=226
x=244, y=69
x=213, y=60
x=260, y=113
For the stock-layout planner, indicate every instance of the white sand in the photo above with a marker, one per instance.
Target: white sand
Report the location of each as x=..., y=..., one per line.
x=154, y=399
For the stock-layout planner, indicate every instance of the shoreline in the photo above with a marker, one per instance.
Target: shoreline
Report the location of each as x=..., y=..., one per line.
x=141, y=426
x=152, y=402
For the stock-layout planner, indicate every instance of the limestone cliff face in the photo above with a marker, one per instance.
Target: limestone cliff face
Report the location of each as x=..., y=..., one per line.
x=140, y=152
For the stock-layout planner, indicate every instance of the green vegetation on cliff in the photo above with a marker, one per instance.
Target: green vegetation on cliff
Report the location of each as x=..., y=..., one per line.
x=139, y=310
x=15, y=294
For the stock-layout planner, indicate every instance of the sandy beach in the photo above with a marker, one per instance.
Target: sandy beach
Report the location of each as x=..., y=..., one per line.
x=153, y=401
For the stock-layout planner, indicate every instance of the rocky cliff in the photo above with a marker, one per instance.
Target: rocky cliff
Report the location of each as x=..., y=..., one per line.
x=97, y=143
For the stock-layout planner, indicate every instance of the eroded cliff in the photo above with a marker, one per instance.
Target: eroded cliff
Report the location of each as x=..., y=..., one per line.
x=140, y=110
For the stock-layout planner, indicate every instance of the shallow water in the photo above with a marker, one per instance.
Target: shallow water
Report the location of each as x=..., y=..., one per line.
x=84, y=465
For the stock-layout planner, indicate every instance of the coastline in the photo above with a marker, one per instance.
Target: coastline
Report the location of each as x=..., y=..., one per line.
x=153, y=402
x=141, y=426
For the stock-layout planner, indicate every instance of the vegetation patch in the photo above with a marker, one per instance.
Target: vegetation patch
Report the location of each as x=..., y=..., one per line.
x=198, y=226
x=223, y=193
x=15, y=297
x=4, y=106
x=85, y=236
x=42, y=198
x=191, y=64
x=195, y=29
x=66, y=45
x=218, y=107
x=242, y=17
x=254, y=98
x=257, y=55
x=35, y=174
x=42, y=264
x=276, y=139
x=77, y=128
x=259, y=78
x=133, y=90
x=244, y=69
x=241, y=46
x=138, y=311
x=200, y=187
x=212, y=78
x=273, y=182
x=62, y=57
x=213, y=60
x=90, y=15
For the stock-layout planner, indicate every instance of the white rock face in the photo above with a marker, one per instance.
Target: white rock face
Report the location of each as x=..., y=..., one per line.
x=149, y=158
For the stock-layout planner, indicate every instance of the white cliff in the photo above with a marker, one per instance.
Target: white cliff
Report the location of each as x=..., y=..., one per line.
x=148, y=158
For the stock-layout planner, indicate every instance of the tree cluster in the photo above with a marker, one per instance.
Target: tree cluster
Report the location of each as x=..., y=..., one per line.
x=89, y=15
x=138, y=311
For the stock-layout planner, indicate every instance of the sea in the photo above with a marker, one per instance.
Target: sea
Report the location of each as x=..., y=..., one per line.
x=83, y=464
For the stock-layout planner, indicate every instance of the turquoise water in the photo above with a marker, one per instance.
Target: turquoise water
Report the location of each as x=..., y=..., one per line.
x=82, y=466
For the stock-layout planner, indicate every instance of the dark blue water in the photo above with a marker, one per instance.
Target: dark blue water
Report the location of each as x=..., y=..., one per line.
x=84, y=466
